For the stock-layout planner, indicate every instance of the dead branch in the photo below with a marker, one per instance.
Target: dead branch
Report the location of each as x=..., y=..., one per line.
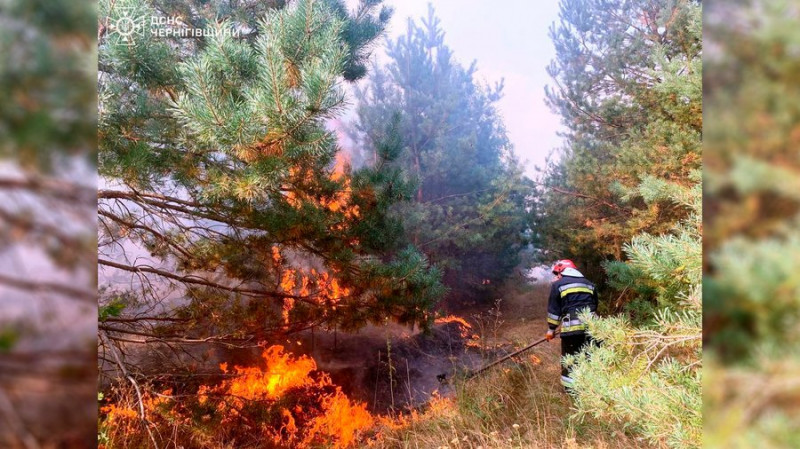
x=133, y=382
x=197, y=280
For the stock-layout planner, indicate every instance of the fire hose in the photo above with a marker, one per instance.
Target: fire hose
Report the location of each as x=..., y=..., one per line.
x=472, y=373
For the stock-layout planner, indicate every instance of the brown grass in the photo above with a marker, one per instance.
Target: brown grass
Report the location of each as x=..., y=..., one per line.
x=519, y=404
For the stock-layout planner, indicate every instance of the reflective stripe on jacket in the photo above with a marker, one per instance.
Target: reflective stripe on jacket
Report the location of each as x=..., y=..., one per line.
x=569, y=296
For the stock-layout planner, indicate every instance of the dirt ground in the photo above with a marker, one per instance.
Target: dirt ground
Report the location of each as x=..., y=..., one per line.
x=358, y=362
x=515, y=319
x=521, y=321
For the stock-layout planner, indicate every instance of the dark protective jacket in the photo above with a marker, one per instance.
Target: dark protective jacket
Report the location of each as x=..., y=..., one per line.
x=568, y=296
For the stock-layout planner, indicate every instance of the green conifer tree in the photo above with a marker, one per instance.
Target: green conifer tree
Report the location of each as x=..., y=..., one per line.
x=224, y=211
x=468, y=214
x=627, y=84
x=626, y=197
x=646, y=370
x=752, y=240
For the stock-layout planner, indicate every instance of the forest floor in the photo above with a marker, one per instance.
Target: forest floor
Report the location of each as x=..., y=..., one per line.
x=518, y=404
x=389, y=372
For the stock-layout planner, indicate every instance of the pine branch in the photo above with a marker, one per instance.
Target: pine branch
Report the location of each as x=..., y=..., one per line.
x=148, y=229
x=589, y=197
x=197, y=280
x=52, y=187
x=168, y=338
x=61, y=289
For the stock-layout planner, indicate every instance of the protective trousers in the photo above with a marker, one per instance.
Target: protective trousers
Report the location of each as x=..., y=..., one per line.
x=571, y=344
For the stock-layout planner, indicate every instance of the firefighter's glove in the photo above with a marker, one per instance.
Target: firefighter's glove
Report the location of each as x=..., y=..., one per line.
x=549, y=336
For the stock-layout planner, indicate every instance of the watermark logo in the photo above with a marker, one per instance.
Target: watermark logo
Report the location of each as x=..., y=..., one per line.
x=129, y=27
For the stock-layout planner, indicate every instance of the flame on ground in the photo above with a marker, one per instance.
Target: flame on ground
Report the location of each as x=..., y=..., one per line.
x=283, y=402
x=453, y=319
x=309, y=410
x=338, y=422
x=343, y=419
x=465, y=327
x=282, y=373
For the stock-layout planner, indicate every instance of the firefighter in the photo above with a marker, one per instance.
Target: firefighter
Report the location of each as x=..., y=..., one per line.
x=570, y=294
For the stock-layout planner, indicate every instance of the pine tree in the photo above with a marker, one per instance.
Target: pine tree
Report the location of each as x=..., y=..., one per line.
x=468, y=210
x=626, y=197
x=47, y=226
x=227, y=211
x=628, y=87
x=646, y=371
x=752, y=240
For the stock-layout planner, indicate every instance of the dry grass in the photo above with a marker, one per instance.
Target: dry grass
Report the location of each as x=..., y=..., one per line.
x=519, y=404
x=516, y=405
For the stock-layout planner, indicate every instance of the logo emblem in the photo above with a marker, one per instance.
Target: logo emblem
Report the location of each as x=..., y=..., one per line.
x=127, y=26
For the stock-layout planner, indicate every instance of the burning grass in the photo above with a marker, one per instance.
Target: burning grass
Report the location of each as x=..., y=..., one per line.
x=286, y=403
x=282, y=401
x=465, y=327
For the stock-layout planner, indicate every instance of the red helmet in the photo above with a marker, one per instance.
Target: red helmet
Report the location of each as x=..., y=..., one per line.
x=562, y=265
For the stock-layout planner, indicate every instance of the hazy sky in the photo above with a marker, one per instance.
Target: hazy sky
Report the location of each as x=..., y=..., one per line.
x=508, y=39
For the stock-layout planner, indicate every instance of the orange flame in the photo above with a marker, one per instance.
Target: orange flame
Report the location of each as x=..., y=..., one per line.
x=340, y=422
x=464, y=326
x=342, y=199
x=282, y=373
x=329, y=290
x=288, y=283
x=115, y=413
x=320, y=286
x=304, y=280
x=288, y=280
x=307, y=409
x=343, y=420
x=453, y=319
x=284, y=403
x=338, y=168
